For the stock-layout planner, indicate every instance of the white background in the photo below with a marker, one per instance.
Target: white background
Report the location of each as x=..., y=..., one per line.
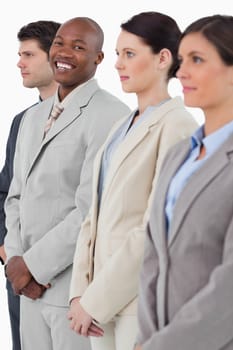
x=109, y=14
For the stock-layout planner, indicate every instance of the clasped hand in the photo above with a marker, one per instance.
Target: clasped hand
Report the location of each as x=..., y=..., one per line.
x=22, y=280
x=81, y=322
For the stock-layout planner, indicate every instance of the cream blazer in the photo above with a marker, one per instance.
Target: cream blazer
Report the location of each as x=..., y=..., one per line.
x=111, y=241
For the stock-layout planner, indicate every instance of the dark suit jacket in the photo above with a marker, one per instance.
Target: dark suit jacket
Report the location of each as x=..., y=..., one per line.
x=6, y=173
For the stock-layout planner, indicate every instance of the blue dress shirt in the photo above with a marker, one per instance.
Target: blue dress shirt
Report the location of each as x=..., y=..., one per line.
x=212, y=142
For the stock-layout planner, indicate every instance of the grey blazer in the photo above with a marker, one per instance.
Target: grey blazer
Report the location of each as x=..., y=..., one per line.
x=51, y=188
x=186, y=287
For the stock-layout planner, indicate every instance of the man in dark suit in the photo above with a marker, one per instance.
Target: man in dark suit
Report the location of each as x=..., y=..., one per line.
x=34, y=43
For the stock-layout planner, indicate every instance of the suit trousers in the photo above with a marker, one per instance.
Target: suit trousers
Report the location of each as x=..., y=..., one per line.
x=13, y=307
x=44, y=326
x=119, y=334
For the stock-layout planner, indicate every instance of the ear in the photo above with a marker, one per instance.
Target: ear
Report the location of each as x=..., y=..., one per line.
x=100, y=57
x=165, y=58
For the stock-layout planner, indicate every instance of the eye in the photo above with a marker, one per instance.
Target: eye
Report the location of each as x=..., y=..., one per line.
x=197, y=59
x=28, y=54
x=130, y=54
x=180, y=60
x=78, y=47
x=57, y=43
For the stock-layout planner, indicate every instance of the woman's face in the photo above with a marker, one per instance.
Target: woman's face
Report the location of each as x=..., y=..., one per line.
x=207, y=82
x=136, y=64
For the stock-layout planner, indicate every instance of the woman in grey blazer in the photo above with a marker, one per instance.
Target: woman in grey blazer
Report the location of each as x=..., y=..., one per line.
x=186, y=286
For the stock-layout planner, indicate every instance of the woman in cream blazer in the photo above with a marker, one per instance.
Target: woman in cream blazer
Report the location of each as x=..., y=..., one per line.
x=111, y=241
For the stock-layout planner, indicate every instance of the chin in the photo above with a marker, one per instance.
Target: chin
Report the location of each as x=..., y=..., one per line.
x=126, y=89
x=190, y=102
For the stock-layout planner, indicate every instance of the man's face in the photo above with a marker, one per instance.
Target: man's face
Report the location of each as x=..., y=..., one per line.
x=73, y=54
x=34, y=64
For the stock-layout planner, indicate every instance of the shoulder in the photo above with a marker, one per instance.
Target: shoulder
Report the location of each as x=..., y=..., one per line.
x=176, y=115
x=17, y=120
x=174, y=152
x=104, y=109
x=175, y=106
x=109, y=101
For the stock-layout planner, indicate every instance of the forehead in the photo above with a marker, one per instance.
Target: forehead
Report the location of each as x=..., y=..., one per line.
x=129, y=40
x=76, y=29
x=196, y=42
x=29, y=45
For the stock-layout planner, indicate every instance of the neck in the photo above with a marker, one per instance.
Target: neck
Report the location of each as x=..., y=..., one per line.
x=154, y=94
x=215, y=119
x=156, y=100
x=47, y=91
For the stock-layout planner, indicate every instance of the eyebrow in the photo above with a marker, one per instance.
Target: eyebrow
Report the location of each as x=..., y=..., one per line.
x=20, y=53
x=195, y=52
x=192, y=53
x=126, y=49
x=75, y=40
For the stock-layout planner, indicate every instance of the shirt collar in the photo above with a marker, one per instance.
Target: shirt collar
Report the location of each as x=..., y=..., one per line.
x=212, y=141
x=67, y=99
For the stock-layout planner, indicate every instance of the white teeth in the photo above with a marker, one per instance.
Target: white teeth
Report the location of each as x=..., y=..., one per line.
x=61, y=65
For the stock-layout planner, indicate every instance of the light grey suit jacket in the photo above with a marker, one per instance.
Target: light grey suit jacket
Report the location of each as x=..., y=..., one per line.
x=51, y=189
x=186, y=294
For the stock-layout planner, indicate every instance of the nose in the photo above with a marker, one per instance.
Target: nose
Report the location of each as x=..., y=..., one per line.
x=178, y=72
x=20, y=63
x=182, y=71
x=64, y=51
x=118, y=63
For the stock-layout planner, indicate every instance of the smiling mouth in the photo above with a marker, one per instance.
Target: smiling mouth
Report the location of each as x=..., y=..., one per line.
x=63, y=66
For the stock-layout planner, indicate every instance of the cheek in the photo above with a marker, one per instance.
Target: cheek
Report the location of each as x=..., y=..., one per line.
x=146, y=67
x=52, y=52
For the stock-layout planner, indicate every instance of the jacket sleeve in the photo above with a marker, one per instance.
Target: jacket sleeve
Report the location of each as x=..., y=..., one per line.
x=6, y=173
x=79, y=282
x=147, y=291
x=13, y=241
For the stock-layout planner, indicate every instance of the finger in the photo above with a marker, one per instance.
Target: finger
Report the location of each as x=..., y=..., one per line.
x=96, y=330
x=69, y=315
x=91, y=333
x=84, y=330
x=75, y=326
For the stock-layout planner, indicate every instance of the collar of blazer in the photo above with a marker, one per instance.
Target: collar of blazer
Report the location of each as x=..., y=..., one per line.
x=38, y=115
x=132, y=140
x=73, y=110
x=196, y=185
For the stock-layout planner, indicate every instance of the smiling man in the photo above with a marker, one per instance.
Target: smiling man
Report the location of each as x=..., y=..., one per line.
x=50, y=192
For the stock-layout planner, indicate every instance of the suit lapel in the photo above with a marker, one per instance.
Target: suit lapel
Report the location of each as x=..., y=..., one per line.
x=37, y=122
x=130, y=142
x=127, y=146
x=70, y=113
x=196, y=185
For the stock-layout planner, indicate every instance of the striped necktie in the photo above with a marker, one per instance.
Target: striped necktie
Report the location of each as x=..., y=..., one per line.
x=56, y=111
